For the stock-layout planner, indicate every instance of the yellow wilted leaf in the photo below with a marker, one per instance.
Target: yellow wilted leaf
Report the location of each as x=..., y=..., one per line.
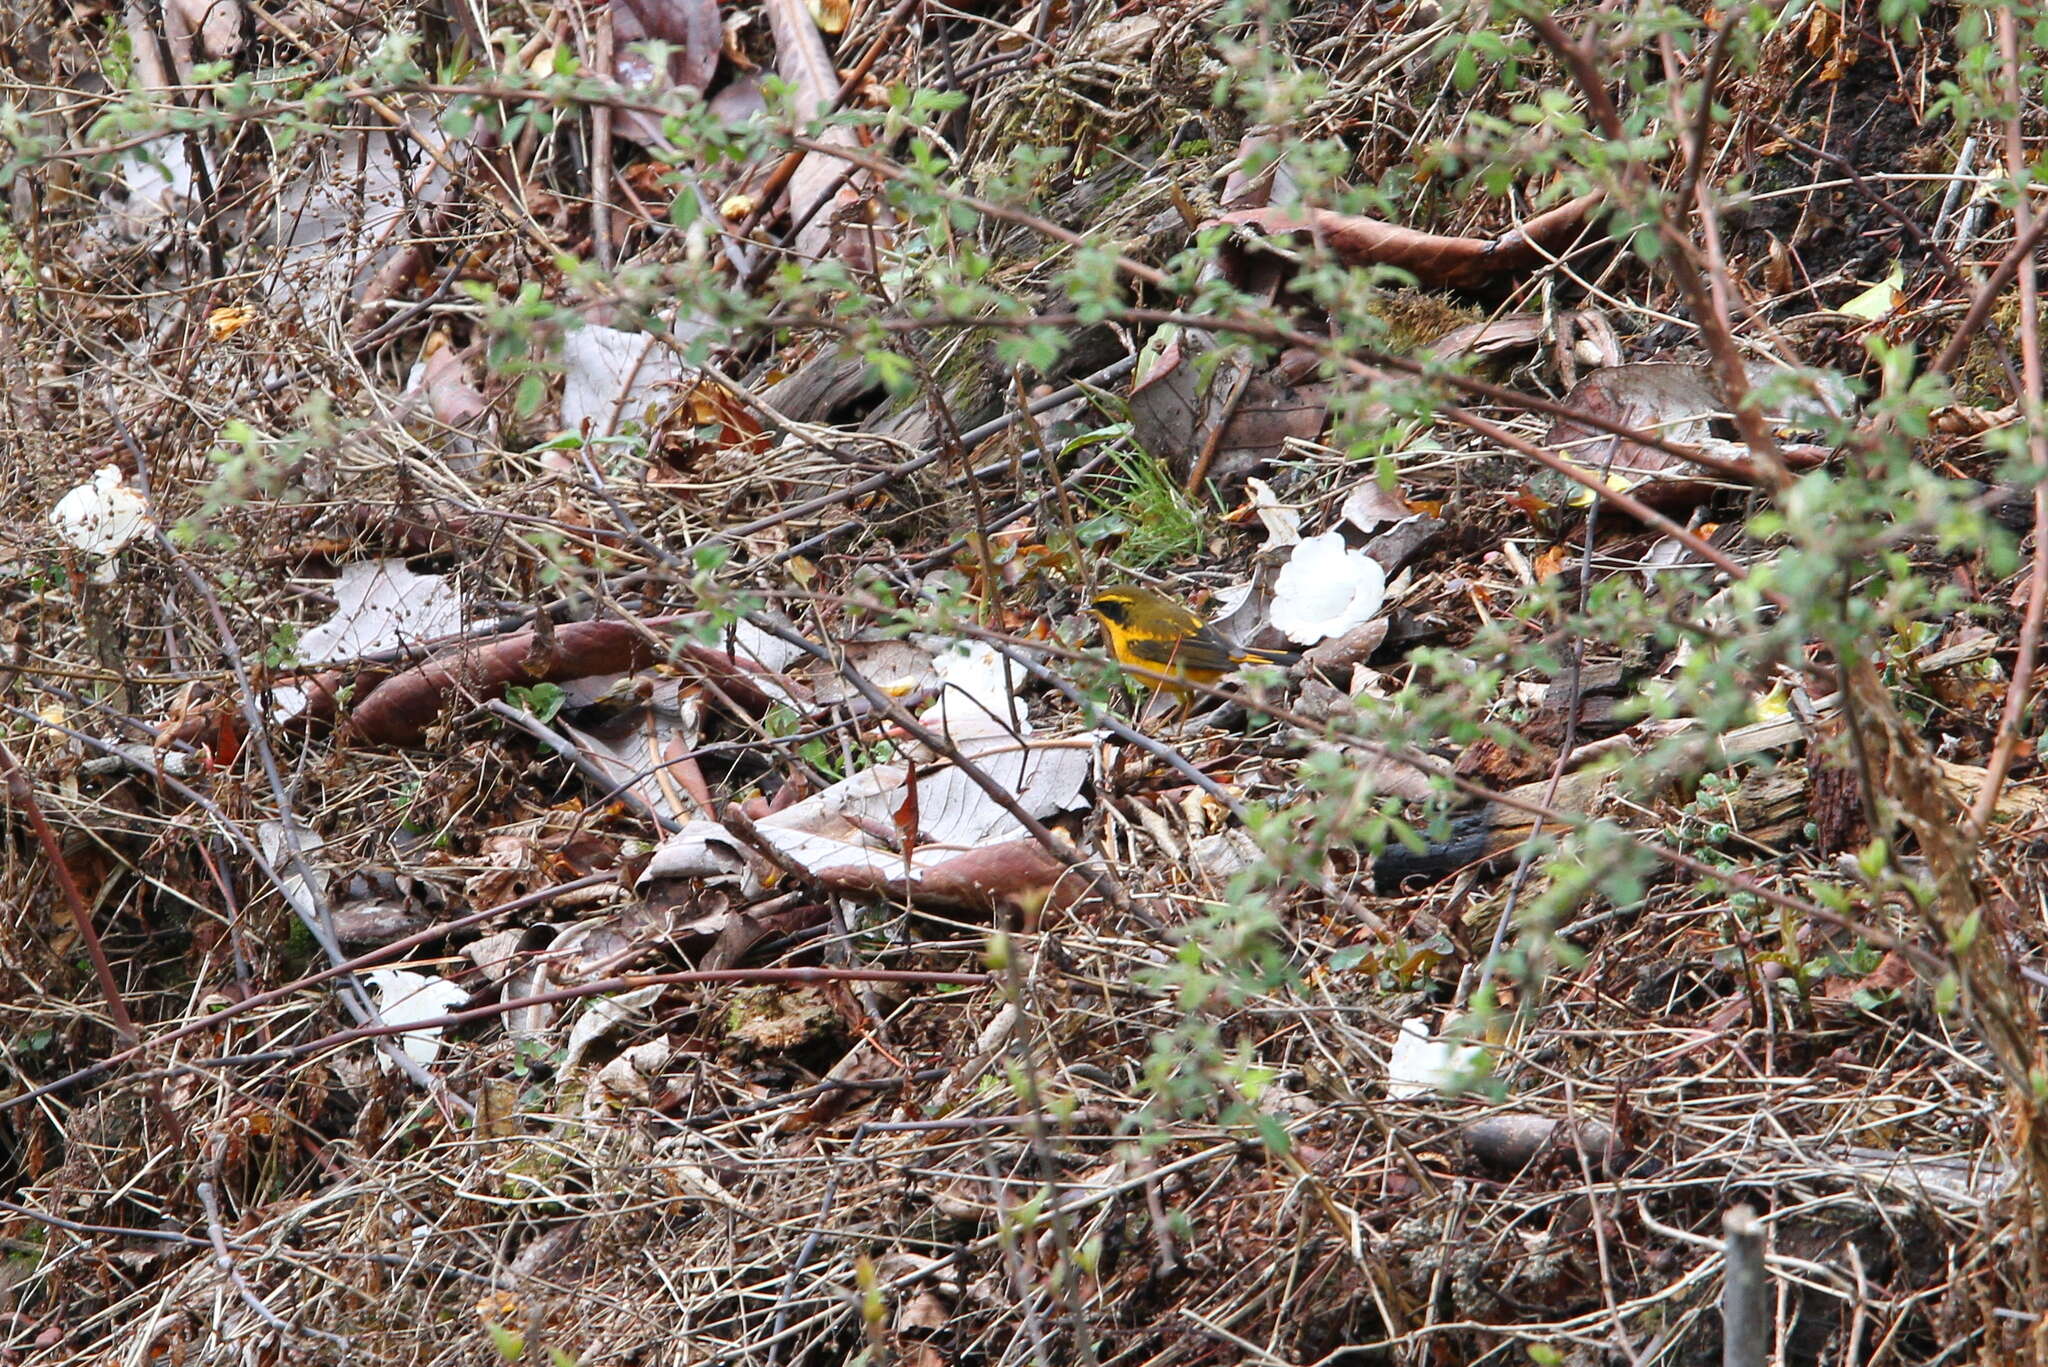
x=226, y=322
x=1880, y=299
x=1582, y=497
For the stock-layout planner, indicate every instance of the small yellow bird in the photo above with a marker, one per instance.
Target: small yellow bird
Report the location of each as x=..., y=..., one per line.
x=1150, y=632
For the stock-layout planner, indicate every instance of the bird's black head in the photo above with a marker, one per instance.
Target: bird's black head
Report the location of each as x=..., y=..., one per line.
x=1112, y=606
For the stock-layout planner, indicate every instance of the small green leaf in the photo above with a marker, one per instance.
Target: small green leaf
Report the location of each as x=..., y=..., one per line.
x=533, y=389
x=511, y=1346
x=1966, y=933
x=543, y=700
x=1349, y=957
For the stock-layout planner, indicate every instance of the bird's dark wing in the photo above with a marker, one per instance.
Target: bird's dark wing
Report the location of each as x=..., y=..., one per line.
x=1202, y=652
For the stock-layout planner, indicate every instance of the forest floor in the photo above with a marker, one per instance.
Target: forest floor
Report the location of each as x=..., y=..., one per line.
x=403, y=623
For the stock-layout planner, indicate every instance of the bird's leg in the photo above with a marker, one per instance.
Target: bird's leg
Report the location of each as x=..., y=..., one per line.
x=1158, y=702
x=1221, y=717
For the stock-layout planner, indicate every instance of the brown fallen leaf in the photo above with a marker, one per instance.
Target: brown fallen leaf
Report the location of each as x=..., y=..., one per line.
x=1432, y=258
x=401, y=709
x=1891, y=974
x=694, y=36
x=1019, y=875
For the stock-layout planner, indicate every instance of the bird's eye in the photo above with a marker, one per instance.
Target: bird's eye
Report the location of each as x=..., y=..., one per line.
x=1112, y=608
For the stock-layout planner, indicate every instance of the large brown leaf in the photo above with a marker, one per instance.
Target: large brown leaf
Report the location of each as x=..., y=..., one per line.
x=695, y=34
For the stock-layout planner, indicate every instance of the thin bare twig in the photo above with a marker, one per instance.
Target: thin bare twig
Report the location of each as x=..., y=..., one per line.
x=21, y=793
x=2027, y=655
